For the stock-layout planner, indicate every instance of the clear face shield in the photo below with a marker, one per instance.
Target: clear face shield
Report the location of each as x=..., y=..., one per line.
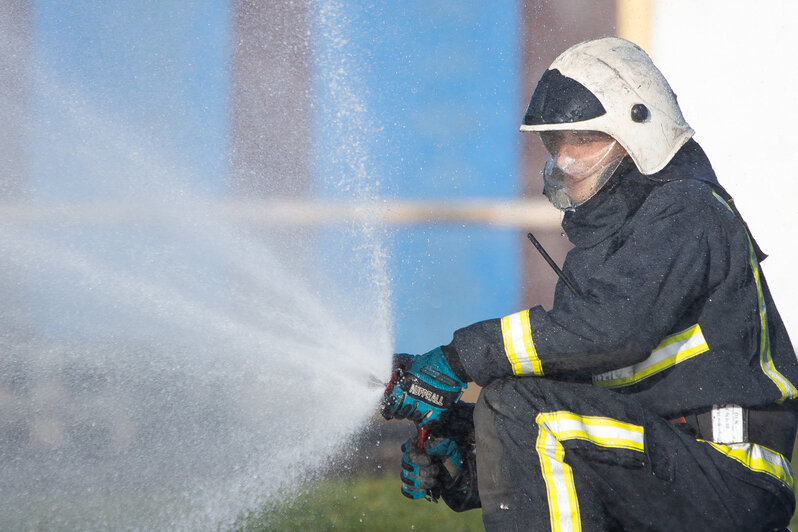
x=579, y=164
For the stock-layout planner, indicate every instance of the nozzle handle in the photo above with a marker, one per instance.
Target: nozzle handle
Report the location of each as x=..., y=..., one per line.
x=422, y=433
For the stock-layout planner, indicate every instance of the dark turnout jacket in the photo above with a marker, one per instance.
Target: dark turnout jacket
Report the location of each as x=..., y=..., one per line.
x=672, y=305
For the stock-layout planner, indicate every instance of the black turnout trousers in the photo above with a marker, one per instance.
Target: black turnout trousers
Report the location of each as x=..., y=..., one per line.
x=555, y=455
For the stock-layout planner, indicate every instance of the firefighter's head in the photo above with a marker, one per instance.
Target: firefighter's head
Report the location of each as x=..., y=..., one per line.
x=599, y=101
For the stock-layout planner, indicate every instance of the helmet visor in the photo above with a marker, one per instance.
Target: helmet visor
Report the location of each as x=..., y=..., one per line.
x=572, y=177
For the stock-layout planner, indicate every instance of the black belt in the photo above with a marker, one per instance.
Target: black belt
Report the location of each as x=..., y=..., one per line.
x=772, y=427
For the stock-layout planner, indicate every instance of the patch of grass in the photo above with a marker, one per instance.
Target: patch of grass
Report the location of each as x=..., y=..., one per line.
x=361, y=503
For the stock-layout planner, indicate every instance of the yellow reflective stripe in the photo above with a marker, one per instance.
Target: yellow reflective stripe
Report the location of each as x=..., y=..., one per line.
x=788, y=391
x=786, y=388
x=673, y=350
x=559, y=479
x=758, y=459
x=554, y=427
x=518, y=345
x=765, y=356
x=599, y=430
x=722, y=201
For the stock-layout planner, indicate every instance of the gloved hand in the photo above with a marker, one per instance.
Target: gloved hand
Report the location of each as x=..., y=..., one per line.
x=426, y=387
x=446, y=467
x=423, y=471
x=419, y=472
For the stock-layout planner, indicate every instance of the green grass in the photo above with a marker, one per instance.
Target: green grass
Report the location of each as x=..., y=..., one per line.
x=363, y=503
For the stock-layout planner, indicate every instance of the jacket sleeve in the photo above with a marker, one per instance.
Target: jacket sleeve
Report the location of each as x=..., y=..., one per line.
x=637, y=296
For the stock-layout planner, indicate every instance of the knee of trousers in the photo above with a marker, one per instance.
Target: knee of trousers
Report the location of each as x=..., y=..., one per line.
x=490, y=451
x=487, y=413
x=511, y=398
x=505, y=438
x=488, y=403
x=509, y=402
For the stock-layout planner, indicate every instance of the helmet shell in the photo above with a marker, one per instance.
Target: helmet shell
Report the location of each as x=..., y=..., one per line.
x=611, y=85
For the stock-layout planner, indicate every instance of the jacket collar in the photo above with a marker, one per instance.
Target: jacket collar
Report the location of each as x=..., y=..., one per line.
x=689, y=163
x=605, y=213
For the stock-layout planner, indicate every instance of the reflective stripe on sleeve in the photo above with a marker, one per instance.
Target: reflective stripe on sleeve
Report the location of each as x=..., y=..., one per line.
x=758, y=459
x=673, y=350
x=555, y=427
x=518, y=345
x=788, y=391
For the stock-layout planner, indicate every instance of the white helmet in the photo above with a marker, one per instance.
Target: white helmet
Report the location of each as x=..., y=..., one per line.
x=612, y=86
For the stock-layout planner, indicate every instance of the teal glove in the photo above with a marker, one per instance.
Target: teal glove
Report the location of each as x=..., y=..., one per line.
x=423, y=472
x=425, y=388
x=445, y=448
x=419, y=471
x=446, y=468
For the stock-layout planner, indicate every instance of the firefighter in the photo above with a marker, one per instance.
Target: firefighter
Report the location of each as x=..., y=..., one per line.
x=659, y=391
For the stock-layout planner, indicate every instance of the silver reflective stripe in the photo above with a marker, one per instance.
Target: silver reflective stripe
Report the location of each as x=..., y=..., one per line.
x=673, y=350
x=562, y=425
x=758, y=459
x=788, y=391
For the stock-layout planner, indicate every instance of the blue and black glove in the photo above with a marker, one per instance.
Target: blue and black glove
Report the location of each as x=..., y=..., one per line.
x=419, y=472
x=446, y=466
x=423, y=387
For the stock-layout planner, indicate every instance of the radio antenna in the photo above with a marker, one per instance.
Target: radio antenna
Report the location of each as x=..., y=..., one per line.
x=551, y=263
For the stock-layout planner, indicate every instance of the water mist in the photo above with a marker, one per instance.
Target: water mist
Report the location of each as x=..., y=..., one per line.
x=172, y=364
